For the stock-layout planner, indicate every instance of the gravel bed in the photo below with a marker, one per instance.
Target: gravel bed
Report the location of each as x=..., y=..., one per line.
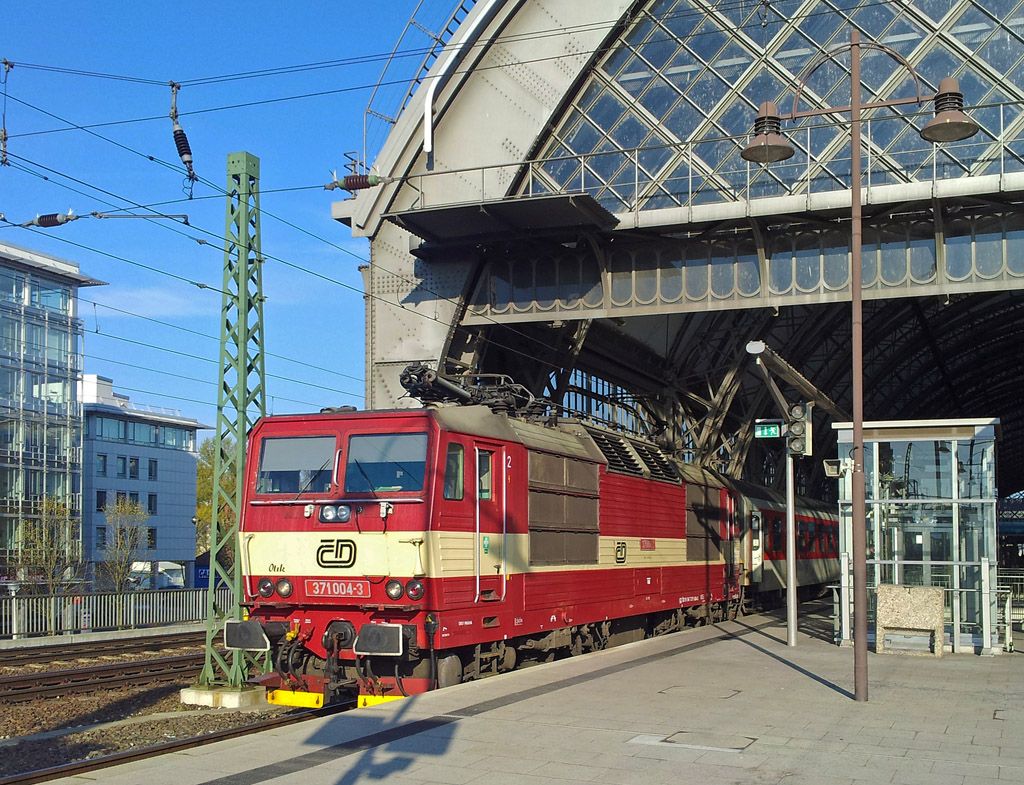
x=51, y=732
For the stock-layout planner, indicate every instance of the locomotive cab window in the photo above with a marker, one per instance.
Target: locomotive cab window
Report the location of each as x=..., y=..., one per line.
x=385, y=462
x=453, y=472
x=294, y=465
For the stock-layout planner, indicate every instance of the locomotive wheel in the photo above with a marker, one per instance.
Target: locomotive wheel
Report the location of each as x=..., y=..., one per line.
x=449, y=671
x=508, y=660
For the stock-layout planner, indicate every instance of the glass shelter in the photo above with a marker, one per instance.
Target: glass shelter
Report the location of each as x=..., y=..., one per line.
x=931, y=519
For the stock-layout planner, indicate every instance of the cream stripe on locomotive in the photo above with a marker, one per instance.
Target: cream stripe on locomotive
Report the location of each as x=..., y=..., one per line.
x=433, y=554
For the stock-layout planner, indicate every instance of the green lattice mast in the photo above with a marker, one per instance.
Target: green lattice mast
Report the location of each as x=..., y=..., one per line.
x=241, y=397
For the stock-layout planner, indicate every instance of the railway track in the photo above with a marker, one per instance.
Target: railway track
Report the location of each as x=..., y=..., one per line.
x=49, y=684
x=63, y=652
x=75, y=768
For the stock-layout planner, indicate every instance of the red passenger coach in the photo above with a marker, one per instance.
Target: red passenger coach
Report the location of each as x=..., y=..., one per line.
x=387, y=553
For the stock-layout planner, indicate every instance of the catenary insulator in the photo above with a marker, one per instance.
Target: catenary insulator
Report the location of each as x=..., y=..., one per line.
x=357, y=182
x=50, y=220
x=184, y=150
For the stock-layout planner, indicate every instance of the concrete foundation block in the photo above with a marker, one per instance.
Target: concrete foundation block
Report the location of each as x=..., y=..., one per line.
x=225, y=697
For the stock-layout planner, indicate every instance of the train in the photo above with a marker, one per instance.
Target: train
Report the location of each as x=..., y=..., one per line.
x=388, y=553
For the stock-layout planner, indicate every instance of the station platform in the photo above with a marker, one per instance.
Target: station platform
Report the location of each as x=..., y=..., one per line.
x=724, y=704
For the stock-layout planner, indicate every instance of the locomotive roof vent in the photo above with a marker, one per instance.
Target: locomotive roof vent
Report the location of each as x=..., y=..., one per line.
x=660, y=466
x=620, y=457
x=347, y=409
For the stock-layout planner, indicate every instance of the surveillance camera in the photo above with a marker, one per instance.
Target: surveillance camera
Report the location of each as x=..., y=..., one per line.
x=833, y=467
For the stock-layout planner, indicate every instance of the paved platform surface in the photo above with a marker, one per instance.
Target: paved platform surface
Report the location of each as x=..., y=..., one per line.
x=725, y=704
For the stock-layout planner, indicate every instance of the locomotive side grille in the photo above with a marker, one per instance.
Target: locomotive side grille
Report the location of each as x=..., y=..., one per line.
x=661, y=468
x=620, y=457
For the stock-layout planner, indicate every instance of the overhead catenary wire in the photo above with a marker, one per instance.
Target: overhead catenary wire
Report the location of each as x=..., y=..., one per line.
x=329, y=279
x=400, y=82
x=345, y=250
x=172, y=325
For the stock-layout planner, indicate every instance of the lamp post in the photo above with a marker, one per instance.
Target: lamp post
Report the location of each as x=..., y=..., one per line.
x=950, y=124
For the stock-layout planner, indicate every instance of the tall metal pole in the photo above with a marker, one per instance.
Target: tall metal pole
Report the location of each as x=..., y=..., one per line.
x=241, y=393
x=860, y=570
x=790, y=551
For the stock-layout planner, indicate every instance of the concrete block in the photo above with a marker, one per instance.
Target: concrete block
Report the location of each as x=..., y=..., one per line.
x=911, y=608
x=225, y=697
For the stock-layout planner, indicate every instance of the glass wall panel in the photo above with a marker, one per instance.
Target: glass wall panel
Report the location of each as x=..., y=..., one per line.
x=976, y=469
x=915, y=470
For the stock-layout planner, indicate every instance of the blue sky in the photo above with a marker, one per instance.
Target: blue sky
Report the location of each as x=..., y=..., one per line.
x=314, y=329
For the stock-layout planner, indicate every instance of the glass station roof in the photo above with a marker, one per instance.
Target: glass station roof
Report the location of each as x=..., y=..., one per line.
x=660, y=121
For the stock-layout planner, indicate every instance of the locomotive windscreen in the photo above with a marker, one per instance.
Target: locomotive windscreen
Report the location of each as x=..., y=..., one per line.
x=385, y=462
x=296, y=464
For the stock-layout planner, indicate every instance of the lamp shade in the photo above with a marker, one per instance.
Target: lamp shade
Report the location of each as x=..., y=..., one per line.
x=950, y=124
x=768, y=145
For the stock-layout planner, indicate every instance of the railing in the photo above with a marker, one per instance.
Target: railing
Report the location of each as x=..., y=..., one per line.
x=976, y=610
x=27, y=616
x=689, y=174
x=1012, y=581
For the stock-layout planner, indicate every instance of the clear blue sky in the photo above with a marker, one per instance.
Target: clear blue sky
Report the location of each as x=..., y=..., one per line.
x=297, y=141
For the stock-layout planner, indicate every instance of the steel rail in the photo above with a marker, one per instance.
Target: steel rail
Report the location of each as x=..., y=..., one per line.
x=20, y=688
x=75, y=650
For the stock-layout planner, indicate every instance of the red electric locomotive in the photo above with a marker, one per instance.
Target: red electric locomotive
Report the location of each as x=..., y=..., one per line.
x=386, y=553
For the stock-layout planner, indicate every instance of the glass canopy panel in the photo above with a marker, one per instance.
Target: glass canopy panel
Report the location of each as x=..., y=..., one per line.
x=937, y=9
x=820, y=24
x=707, y=41
x=874, y=19
x=683, y=73
x=679, y=19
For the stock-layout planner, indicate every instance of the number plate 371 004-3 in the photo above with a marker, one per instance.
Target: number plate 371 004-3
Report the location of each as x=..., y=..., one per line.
x=338, y=588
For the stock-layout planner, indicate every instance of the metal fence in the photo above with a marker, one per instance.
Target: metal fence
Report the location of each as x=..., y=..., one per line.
x=1012, y=581
x=23, y=617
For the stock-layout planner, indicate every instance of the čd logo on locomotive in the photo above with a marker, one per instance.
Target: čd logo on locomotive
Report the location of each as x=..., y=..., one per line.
x=336, y=553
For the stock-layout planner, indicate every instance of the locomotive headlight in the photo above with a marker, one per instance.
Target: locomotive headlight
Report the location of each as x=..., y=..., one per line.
x=284, y=587
x=331, y=513
x=414, y=589
x=394, y=589
x=265, y=587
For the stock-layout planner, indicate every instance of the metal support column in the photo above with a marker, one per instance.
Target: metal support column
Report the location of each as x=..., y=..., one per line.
x=241, y=392
x=790, y=551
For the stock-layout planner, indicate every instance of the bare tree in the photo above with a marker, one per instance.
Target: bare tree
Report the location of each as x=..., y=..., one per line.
x=49, y=552
x=125, y=541
x=204, y=499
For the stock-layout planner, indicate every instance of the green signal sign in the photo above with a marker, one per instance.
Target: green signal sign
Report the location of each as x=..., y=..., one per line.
x=768, y=429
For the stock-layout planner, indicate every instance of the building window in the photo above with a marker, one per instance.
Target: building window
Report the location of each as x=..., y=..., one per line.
x=101, y=537
x=122, y=496
x=133, y=468
x=152, y=468
x=101, y=465
x=133, y=498
x=151, y=538
x=101, y=501
x=109, y=428
x=151, y=505
x=122, y=466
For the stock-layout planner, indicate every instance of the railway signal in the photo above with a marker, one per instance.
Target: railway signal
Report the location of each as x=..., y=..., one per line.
x=798, y=433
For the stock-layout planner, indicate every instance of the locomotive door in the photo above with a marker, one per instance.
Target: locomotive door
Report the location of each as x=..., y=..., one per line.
x=491, y=521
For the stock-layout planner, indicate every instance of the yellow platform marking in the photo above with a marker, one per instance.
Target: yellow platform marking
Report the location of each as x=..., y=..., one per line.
x=366, y=701
x=304, y=700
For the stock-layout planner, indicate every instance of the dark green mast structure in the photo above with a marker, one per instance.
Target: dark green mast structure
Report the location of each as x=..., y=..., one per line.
x=241, y=398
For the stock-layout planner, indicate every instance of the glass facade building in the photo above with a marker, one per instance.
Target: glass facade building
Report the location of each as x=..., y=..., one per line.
x=40, y=413
x=147, y=455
